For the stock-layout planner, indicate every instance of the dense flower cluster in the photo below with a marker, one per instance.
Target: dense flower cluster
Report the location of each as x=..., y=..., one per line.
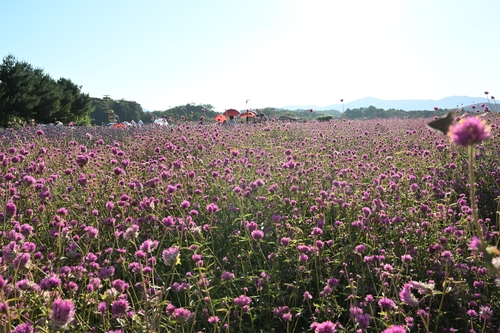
x=339, y=226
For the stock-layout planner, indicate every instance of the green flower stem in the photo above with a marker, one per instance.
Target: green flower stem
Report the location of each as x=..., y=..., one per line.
x=445, y=292
x=472, y=191
x=483, y=329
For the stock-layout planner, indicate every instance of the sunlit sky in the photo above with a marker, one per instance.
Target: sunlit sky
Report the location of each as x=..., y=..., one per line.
x=274, y=53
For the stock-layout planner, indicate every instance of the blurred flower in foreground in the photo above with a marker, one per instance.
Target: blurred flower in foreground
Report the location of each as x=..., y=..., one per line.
x=469, y=131
x=23, y=328
x=63, y=313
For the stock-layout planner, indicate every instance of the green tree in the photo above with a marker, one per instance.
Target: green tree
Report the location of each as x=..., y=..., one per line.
x=190, y=112
x=49, y=98
x=75, y=105
x=18, y=90
x=325, y=118
x=28, y=93
x=126, y=110
x=98, y=115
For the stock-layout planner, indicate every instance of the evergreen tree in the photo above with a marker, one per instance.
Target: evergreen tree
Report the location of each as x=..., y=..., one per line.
x=27, y=93
x=18, y=90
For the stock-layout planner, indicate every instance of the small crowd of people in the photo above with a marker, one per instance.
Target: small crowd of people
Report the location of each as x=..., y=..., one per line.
x=233, y=120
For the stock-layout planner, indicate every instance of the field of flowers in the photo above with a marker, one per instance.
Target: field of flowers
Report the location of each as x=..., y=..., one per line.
x=341, y=226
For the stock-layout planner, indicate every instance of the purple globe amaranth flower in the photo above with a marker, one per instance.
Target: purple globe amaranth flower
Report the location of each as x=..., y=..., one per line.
x=360, y=248
x=324, y=327
x=63, y=313
x=149, y=245
x=307, y=296
x=110, y=205
x=91, y=232
x=4, y=307
x=387, y=304
x=332, y=282
x=285, y=241
x=242, y=300
x=212, y=208
x=23, y=261
x=168, y=221
x=106, y=272
x=30, y=180
x=395, y=329
x=3, y=283
x=474, y=243
x=251, y=226
x=118, y=171
x=62, y=211
x=227, y=276
x=363, y=320
x=102, y=307
x=406, y=258
x=171, y=188
x=27, y=285
x=472, y=313
x=120, y=285
x=469, y=131
x=82, y=160
x=10, y=209
x=316, y=231
x=182, y=315
x=50, y=283
x=119, y=308
x=257, y=234
x=140, y=254
x=447, y=256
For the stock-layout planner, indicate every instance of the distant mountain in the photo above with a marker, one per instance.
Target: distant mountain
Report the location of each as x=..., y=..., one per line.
x=407, y=105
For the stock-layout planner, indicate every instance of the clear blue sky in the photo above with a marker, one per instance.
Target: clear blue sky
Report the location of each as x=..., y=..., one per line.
x=163, y=53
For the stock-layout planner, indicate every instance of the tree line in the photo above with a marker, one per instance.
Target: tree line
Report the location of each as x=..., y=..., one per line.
x=27, y=94
x=372, y=112
x=130, y=110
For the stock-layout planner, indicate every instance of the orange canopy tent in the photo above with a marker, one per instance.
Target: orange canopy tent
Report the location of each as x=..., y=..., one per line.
x=231, y=113
x=248, y=114
x=220, y=118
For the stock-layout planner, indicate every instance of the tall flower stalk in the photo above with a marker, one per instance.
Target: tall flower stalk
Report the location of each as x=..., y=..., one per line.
x=472, y=192
x=469, y=132
x=491, y=99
